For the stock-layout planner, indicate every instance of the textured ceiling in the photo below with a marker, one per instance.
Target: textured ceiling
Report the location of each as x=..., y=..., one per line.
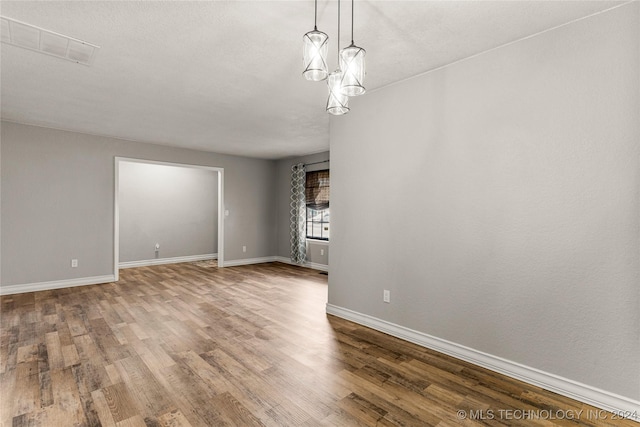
x=225, y=76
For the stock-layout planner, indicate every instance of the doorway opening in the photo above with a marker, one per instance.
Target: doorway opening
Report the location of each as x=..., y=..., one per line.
x=137, y=179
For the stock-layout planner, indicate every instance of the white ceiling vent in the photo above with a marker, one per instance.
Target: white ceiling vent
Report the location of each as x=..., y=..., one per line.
x=44, y=41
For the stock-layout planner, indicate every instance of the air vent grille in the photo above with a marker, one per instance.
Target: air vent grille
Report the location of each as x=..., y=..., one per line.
x=30, y=37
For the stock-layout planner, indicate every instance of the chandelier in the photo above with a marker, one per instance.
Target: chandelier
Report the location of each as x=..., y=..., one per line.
x=348, y=79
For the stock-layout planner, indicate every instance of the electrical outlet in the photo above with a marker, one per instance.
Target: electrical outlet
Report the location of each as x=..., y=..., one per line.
x=321, y=251
x=74, y=263
x=386, y=296
x=244, y=249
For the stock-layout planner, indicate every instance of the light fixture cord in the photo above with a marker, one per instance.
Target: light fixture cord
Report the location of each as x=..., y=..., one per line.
x=352, y=1
x=338, y=44
x=315, y=16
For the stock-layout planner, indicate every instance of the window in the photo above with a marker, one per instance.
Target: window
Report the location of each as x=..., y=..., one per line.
x=317, y=200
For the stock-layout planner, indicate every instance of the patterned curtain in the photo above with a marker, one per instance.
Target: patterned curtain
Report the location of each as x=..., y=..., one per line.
x=298, y=214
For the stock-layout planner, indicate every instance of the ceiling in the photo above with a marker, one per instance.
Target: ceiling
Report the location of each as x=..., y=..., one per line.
x=225, y=76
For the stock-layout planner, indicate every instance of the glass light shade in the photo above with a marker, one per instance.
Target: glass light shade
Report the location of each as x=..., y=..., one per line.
x=338, y=103
x=353, y=69
x=314, y=55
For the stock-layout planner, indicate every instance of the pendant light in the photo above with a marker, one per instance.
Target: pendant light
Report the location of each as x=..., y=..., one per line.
x=315, y=48
x=352, y=66
x=338, y=102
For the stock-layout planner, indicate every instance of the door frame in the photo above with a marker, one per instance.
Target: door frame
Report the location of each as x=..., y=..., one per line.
x=116, y=214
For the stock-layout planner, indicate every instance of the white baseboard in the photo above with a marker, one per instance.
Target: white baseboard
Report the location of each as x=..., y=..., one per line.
x=247, y=261
x=227, y=263
x=582, y=392
x=173, y=260
x=56, y=284
x=314, y=265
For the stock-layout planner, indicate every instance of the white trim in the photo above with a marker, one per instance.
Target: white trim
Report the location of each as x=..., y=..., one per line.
x=116, y=219
x=314, y=265
x=555, y=383
x=116, y=215
x=56, y=284
x=220, y=254
x=173, y=260
x=247, y=261
x=318, y=241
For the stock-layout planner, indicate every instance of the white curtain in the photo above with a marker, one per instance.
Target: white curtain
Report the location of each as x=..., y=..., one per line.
x=298, y=214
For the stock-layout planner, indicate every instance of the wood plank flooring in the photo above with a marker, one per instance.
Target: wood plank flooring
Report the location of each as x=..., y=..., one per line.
x=186, y=345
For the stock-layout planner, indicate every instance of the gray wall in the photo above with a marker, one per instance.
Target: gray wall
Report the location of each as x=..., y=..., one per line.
x=506, y=195
x=57, y=201
x=283, y=193
x=176, y=207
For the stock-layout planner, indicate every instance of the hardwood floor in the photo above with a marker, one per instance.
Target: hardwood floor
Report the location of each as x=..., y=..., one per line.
x=182, y=344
